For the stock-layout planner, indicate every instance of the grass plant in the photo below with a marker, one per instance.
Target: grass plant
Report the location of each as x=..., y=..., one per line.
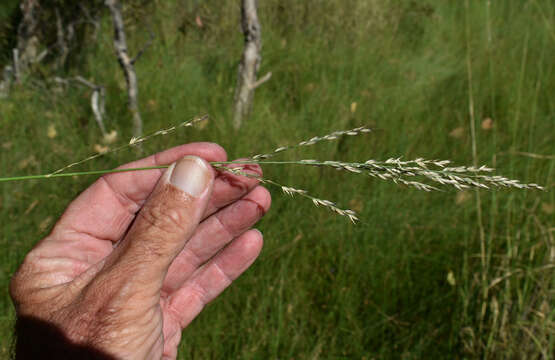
x=396, y=170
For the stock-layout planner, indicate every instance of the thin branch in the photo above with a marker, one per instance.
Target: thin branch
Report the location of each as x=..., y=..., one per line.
x=61, y=37
x=16, y=69
x=5, y=84
x=26, y=35
x=144, y=48
x=126, y=63
x=40, y=56
x=97, y=101
x=98, y=98
x=86, y=82
x=261, y=81
x=98, y=105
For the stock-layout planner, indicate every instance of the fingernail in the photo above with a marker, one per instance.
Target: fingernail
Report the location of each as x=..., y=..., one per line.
x=191, y=174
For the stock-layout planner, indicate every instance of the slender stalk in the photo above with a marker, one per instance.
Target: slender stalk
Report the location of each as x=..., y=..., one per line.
x=395, y=170
x=316, y=139
x=79, y=173
x=472, y=120
x=135, y=141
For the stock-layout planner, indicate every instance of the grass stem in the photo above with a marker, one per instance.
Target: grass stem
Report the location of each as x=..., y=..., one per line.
x=79, y=173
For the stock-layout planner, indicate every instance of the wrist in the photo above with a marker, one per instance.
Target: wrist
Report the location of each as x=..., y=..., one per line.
x=39, y=339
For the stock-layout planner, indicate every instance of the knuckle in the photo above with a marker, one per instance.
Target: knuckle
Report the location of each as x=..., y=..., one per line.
x=163, y=218
x=226, y=280
x=20, y=281
x=224, y=229
x=160, y=225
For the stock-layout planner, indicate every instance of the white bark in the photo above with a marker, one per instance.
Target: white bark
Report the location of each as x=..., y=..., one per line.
x=62, y=44
x=6, y=82
x=97, y=101
x=16, y=68
x=27, y=42
x=126, y=63
x=250, y=62
x=98, y=98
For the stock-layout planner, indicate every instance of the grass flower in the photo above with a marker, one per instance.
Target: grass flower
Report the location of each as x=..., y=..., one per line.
x=421, y=174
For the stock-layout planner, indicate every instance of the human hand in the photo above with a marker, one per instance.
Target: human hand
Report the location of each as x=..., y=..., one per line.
x=136, y=257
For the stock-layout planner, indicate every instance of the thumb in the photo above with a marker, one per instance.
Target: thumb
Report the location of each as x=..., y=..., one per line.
x=165, y=223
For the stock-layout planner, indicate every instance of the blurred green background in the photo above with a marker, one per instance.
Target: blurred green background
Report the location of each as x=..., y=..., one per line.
x=415, y=279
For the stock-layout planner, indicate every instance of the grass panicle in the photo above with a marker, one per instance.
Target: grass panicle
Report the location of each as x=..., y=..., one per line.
x=314, y=140
x=405, y=172
x=291, y=191
x=135, y=141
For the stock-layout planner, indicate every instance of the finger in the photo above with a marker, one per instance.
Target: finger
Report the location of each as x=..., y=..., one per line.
x=163, y=226
x=211, y=279
x=105, y=210
x=216, y=232
x=229, y=187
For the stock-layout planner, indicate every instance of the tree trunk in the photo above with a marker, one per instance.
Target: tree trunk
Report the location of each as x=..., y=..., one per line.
x=250, y=62
x=126, y=63
x=27, y=40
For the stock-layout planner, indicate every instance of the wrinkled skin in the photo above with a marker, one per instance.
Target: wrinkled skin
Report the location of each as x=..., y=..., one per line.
x=134, y=259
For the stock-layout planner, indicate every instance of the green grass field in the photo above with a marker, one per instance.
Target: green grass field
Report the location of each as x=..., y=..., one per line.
x=423, y=275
